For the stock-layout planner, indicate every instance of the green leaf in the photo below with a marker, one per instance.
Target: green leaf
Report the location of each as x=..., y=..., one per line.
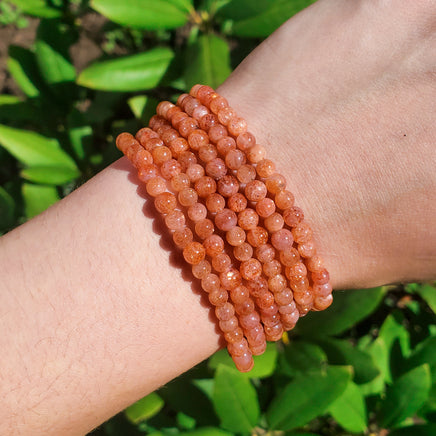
x=348, y=309
x=424, y=353
x=415, y=430
x=145, y=408
x=304, y=356
x=307, y=397
x=264, y=365
x=50, y=174
x=38, y=8
x=145, y=14
x=206, y=431
x=405, y=396
x=7, y=207
x=14, y=109
x=260, y=18
x=38, y=198
x=129, y=73
x=33, y=149
x=341, y=352
x=349, y=410
x=23, y=68
x=235, y=400
x=80, y=133
x=428, y=293
x=52, y=44
x=208, y=61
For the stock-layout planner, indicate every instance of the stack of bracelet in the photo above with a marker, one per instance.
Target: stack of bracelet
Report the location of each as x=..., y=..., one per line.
x=230, y=213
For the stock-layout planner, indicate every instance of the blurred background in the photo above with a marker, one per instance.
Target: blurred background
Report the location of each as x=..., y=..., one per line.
x=74, y=74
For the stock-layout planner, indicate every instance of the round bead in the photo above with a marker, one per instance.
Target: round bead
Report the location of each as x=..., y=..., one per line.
x=202, y=269
x=200, y=112
x=142, y=157
x=322, y=290
x=293, y=216
x=183, y=237
x=207, y=121
x=195, y=172
x=217, y=132
x=244, y=363
x=225, y=145
x=255, y=190
x=235, y=236
x=175, y=220
x=204, y=228
x=315, y=264
x=193, y=91
x=170, y=168
x=237, y=202
x=246, y=173
x=218, y=103
x=187, y=125
x=302, y=233
x=284, y=199
x=237, y=126
x=155, y=186
x=245, y=140
x=265, y=207
x=225, y=219
x=245, y=307
x=307, y=249
x=221, y=262
x=178, y=146
x=207, y=152
x=165, y=202
x=321, y=303
x=256, y=153
x=321, y=277
x=153, y=143
x=231, y=278
x=257, y=236
x=161, y=154
x=296, y=270
x=277, y=283
x=194, y=253
x=228, y=186
x=258, y=287
x=147, y=172
x=248, y=219
x=187, y=197
x=180, y=181
x=211, y=283
x=289, y=257
x=250, y=269
x=303, y=298
x=298, y=284
x=243, y=252
x=275, y=183
x=265, y=168
x=265, y=253
x=197, y=139
x=186, y=159
x=238, y=348
x=218, y=297
x=282, y=239
x=235, y=159
x=205, y=186
x=234, y=335
x=201, y=92
x=144, y=134
x=284, y=297
x=177, y=117
x=258, y=349
x=272, y=268
x=274, y=222
x=216, y=168
x=239, y=294
x=168, y=135
x=197, y=212
x=274, y=333
x=214, y=245
x=225, y=115
x=249, y=320
x=225, y=312
x=215, y=202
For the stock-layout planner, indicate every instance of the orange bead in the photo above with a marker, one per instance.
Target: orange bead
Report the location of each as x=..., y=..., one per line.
x=194, y=253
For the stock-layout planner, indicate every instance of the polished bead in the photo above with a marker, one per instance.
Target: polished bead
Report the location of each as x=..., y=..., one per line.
x=197, y=139
x=255, y=334
x=256, y=153
x=195, y=172
x=266, y=299
x=265, y=207
x=215, y=202
x=199, y=112
x=286, y=309
x=225, y=145
x=234, y=335
x=239, y=294
x=187, y=197
x=225, y=219
x=282, y=239
x=170, y=168
x=258, y=348
x=228, y=186
x=183, y=237
x=218, y=104
x=243, y=252
x=250, y=269
x=321, y=277
x=225, y=115
x=189, y=104
x=289, y=257
x=255, y=190
x=274, y=222
x=177, y=117
x=184, y=95
x=155, y=186
x=302, y=233
x=244, y=363
x=152, y=143
x=187, y=125
x=144, y=134
x=161, y=154
x=265, y=253
x=165, y=202
x=204, y=228
x=231, y=278
x=201, y=92
x=156, y=121
x=249, y=320
x=186, y=159
x=299, y=284
x=257, y=236
x=315, y=264
x=235, y=159
x=258, y=287
x=205, y=186
x=245, y=140
x=229, y=324
x=271, y=320
x=269, y=311
x=307, y=249
x=214, y=245
x=265, y=168
x=293, y=216
x=274, y=333
x=296, y=270
x=207, y=121
x=245, y=307
x=175, y=220
x=172, y=111
x=124, y=141
x=322, y=289
x=133, y=150
x=277, y=283
x=142, y=157
x=202, y=269
x=225, y=312
x=180, y=181
x=284, y=199
x=238, y=348
x=237, y=126
x=217, y=132
x=290, y=319
x=178, y=145
x=246, y=173
x=275, y=183
x=193, y=91
x=272, y=268
x=321, y=303
x=194, y=253
x=216, y=168
x=284, y=297
x=147, y=172
x=304, y=298
x=169, y=135
x=248, y=219
x=235, y=236
x=210, y=282
x=221, y=262
x=237, y=202
x=197, y=212
x=207, y=152
x=218, y=297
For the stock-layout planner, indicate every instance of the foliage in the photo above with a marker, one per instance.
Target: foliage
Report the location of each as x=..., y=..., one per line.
x=366, y=364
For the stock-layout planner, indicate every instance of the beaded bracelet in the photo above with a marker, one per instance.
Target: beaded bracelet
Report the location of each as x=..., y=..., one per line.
x=232, y=217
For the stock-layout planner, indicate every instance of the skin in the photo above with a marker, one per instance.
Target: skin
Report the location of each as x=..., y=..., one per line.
x=97, y=309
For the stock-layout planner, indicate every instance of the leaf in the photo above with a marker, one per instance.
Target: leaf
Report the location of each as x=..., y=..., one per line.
x=206, y=431
x=341, y=352
x=14, y=109
x=304, y=356
x=51, y=48
x=235, y=400
x=142, y=107
x=415, y=430
x=23, y=68
x=405, y=396
x=348, y=309
x=259, y=19
x=33, y=149
x=80, y=133
x=38, y=198
x=38, y=8
x=428, y=293
x=307, y=397
x=208, y=61
x=349, y=410
x=425, y=353
x=50, y=174
x=7, y=207
x=145, y=14
x=145, y=408
x=264, y=365
x=129, y=73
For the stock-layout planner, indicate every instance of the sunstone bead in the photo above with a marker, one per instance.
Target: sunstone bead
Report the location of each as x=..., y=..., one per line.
x=225, y=312
x=152, y=143
x=284, y=199
x=214, y=245
x=274, y=333
x=234, y=335
x=258, y=287
x=225, y=145
x=205, y=186
x=246, y=173
x=178, y=145
x=289, y=257
x=201, y=92
x=257, y=236
x=193, y=91
x=165, y=202
x=207, y=152
x=269, y=311
x=240, y=294
x=322, y=289
x=265, y=300
x=197, y=212
x=293, y=216
x=315, y=264
x=207, y=121
x=248, y=219
x=180, y=181
x=231, y=278
x=321, y=277
x=250, y=269
x=245, y=306
x=284, y=297
x=216, y=168
x=258, y=349
x=170, y=168
x=218, y=297
x=204, y=228
x=235, y=159
x=289, y=320
x=221, y=262
x=133, y=150
x=245, y=140
x=321, y=303
x=218, y=104
x=244, y=363
x=243, y=252
x=249, y=320
x=197, y=139
x=155, y=186
x=161, y=154
x=265, y=207
x=238, y=348
x=225, y=219
x=237, y=202
x=271, y=320
x=274, y=222
x=265, y=253
x=277, y=283
x=183, y=237
x=199, y=112
x=272, y=268
x=235, y=236
x=211, y=282
x=202, y=269
x=297, y=269
x=217, y=132
x=175, y=220
x=307, y=249
x=265, y=168
x=147, y=172
x=299, y=284
x=302, y=233
x=304, y=298
x=237, y=126
x=186, y=159
x=255, y=190
x=215, y=202
x=228, y=186
x=195, y=172
x=168, y=135
x=225, y=115
x=256, y=153
x=255, y=334
x=189, y=104
x=144, y=134
x=187, y=125
x=142, y=157
x=172, y=111
x=177, y=117
x=229, y=324
x=282, y=239
x=184, y=95
x=194, y=253
x=275, y=183
x=187, y=197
